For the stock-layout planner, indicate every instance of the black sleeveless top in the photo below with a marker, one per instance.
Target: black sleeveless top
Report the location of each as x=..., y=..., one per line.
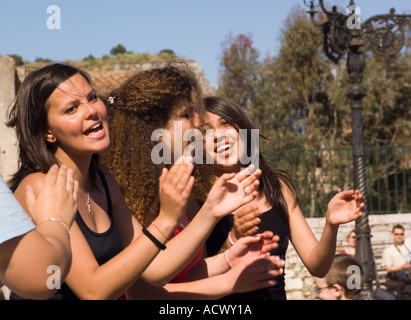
x=270, y=221
x=104, y=245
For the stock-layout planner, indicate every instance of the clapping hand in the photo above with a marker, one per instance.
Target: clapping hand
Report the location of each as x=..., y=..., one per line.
x=345, y=207
x=246, y=220
x=231, y=191
x=175, y=188
x=259, y=245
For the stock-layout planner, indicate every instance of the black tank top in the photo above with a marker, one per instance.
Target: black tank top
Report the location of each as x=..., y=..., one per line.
x=270, y=221
x=104, y=245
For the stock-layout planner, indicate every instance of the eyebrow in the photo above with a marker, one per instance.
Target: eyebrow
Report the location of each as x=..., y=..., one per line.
x=75, y=100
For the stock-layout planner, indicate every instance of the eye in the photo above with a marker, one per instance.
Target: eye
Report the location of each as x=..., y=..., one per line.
x=70, y=110
x=93, y=98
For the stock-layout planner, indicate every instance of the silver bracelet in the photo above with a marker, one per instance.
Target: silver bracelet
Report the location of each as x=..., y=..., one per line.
x=227, y=260
x=56, y=220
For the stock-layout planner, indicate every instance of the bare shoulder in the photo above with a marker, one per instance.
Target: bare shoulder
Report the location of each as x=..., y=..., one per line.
x=35, y=180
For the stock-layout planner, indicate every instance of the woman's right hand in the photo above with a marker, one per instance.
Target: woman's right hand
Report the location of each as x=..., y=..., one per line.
x=246, y=220
x=232, y=191
x=253, y=274
x=57, y=197
x=175, y=188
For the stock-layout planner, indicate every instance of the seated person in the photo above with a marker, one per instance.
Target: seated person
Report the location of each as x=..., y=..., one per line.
x=396, y=256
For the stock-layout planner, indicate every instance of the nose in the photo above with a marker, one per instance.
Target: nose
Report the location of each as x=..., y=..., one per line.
x=196, y=120
x=91, y=111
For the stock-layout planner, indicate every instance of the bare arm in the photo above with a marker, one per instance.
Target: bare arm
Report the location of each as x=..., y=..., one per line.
x=316, y=255
x=25, y=259
x=252, y=274
x=225, y=196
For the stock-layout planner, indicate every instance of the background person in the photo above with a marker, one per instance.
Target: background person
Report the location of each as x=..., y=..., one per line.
x=350, y=249
x=395, y=257
x=343, y=280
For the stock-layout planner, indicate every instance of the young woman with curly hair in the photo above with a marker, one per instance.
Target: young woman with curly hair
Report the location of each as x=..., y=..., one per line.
x=160, y=98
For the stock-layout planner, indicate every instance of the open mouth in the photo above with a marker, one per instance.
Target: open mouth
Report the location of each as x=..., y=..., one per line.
x=224, y=148
x=94, y=130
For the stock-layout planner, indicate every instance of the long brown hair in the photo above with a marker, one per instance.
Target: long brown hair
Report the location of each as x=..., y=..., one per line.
x=142, y=104
x=271, y=178
x=29, y=116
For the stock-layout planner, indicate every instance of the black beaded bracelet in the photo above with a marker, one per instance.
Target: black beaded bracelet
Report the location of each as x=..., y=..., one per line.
x=153, y=239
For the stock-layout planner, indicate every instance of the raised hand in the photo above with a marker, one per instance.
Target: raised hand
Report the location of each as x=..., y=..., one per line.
x=345, y=206
x=259, y=245
x=232, y=191
x=57, y=197
x=254, y=273
x=246, y=219
x=175, y=188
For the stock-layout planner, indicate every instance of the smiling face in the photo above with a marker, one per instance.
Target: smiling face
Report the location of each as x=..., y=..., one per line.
x=222, y=143
x=77, y=119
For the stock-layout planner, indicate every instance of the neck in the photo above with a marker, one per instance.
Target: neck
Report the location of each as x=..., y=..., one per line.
x=80, y=166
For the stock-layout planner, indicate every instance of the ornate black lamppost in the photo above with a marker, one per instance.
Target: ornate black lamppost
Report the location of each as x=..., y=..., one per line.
x=345, y=34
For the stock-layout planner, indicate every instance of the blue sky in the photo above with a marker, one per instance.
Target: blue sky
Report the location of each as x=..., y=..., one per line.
x=192, y=29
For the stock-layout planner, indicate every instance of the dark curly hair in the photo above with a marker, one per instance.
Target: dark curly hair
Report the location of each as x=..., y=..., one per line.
x=142, y=104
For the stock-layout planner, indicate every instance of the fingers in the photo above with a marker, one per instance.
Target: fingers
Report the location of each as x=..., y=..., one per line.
x=179, y=174
x=224, y=178
x=249, y=184
x=246, y=219
x=30, y=196
x=75, y=191
x=62, y=176
x=265, y=269
x=70, y=181
x=51, y=175
x=249, y=171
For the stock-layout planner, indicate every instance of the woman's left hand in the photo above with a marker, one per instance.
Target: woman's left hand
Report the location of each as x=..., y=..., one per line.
x=345, y=207
x=252, y=246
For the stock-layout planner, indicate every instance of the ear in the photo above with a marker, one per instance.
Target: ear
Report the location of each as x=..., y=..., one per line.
x=50, y=137
x=339, y=292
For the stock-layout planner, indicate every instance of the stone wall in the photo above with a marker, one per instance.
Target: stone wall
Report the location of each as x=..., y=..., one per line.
x=300, y=284
x=8, y=141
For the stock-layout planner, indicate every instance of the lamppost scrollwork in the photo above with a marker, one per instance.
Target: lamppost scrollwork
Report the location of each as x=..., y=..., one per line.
x=385, y=35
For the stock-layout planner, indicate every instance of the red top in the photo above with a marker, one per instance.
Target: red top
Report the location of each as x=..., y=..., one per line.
x=182, y=276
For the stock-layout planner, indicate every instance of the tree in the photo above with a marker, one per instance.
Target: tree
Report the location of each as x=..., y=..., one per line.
x=293, y=107
x=120, y=49
x=17, y=59
x=239, y=70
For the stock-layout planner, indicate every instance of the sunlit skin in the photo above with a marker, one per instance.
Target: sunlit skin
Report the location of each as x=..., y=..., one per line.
x=344, y=207
x=222, y=143
x=188, y=118
x=77, y=119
